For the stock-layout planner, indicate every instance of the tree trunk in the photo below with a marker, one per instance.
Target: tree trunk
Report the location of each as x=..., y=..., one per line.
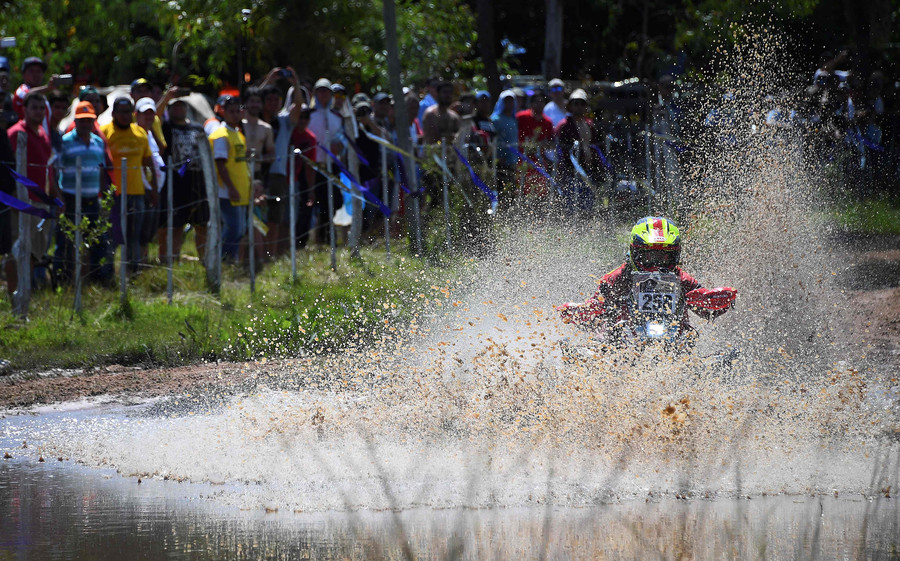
x=552, y=64
x=486, y=44
x=402, y=123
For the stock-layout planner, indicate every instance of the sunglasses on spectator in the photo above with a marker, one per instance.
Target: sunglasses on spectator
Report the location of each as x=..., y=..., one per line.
x=556, y=89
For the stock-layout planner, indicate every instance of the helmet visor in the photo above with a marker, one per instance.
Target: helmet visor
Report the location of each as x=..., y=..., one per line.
x=648, y=259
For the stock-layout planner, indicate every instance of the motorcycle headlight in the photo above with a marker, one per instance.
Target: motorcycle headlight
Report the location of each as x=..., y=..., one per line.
x=654, y=329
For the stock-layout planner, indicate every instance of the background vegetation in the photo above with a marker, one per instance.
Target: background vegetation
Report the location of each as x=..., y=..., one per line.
x=114, y=41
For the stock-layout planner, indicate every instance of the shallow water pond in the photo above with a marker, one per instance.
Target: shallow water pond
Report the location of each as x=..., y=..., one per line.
x=63, y=510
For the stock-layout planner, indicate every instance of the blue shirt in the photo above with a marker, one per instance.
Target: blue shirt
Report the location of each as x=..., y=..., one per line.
x=507, y=137
x=93, y=158
x=426, y=102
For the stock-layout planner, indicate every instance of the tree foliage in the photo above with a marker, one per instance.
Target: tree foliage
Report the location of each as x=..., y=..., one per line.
x=117, y=40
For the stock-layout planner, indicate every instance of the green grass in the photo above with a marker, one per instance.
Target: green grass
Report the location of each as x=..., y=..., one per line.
x=874, y=216
x=321, y=311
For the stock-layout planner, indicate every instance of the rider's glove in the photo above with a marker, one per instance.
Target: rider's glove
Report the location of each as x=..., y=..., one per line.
x=712, y=299
x=583, y=313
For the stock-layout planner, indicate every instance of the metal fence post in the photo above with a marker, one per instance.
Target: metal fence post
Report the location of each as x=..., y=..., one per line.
x=292, y=206
x=170, y=216
x=213, y=255
x=446, y=185
x=23, y=255
x=251, y=227
x=78, y=234
x=331, y=232
x=647, y=181
x=493, y=150
x=611, y=204
x=123, y=224
x=385, y=190
x=356, y=203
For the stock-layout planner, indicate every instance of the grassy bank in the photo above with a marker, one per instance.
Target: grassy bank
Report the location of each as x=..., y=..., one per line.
x=321, y=311
x=872, y=216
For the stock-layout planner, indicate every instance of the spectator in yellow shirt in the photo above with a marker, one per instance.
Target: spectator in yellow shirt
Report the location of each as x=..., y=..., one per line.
x=128, y=140
x=229, y=149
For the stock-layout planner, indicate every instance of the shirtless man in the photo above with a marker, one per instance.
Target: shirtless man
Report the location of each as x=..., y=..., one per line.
x=441, y=122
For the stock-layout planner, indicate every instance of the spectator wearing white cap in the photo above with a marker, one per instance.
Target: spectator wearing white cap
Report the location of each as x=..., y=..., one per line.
x=555, y=110
x=323, y=122
x=145, y=116
x=328, y=128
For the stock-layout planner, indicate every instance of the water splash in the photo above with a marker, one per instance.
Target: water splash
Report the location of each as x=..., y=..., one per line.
x=473, y=405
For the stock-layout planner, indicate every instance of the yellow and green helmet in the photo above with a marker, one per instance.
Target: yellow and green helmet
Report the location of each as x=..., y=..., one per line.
x=655, y=244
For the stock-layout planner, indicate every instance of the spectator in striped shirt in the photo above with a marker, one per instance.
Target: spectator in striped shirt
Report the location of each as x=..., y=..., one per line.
x=82, y=143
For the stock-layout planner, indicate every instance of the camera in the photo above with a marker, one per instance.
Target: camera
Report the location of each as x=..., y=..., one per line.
x=64, y=80
x=7, y=42
x=245, y=14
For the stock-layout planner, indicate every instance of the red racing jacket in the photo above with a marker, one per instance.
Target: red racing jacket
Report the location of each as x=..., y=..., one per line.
x=610, y=302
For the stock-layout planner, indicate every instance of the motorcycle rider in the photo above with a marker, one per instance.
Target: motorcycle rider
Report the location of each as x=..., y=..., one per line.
x=655, y=246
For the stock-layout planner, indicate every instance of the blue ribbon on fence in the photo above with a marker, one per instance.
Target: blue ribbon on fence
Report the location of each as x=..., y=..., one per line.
x=866, y=142
x=677, y=147
x=404, y=179
x=183, y=169
x=602, y=157
x=33, y=187
x=530, y=161
x=21, y=206
x=386, y=210
x=475, y=179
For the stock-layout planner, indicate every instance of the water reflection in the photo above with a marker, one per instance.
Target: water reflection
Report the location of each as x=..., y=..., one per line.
x=54, y=510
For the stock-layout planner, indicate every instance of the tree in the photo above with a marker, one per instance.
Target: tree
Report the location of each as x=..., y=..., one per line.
x=552, y=65
x=487, y=46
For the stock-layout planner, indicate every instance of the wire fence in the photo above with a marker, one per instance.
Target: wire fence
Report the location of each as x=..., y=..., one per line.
x=638, y=166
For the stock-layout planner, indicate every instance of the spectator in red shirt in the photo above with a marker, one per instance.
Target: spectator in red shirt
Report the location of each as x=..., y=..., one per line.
x=535, y=136
x=304, y=140
x=38, y=155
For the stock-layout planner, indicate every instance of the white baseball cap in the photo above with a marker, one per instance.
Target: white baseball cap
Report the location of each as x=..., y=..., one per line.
x=145, y=104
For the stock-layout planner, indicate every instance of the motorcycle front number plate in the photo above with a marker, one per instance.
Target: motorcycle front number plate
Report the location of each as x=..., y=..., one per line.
x=656, y=302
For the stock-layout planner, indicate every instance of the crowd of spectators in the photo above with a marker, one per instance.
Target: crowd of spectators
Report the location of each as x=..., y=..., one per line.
x=540, y=141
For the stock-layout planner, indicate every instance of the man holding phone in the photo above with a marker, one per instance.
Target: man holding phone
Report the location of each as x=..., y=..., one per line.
x=33, y=69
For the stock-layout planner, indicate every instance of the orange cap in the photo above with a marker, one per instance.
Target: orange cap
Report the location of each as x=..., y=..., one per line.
x=85, y=110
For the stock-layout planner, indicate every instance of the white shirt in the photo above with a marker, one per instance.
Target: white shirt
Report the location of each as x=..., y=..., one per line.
x=554, y=112
x=158, y=165
x=327, y=127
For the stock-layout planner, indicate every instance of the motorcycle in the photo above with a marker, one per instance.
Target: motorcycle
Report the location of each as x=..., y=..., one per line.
x=653, y=316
